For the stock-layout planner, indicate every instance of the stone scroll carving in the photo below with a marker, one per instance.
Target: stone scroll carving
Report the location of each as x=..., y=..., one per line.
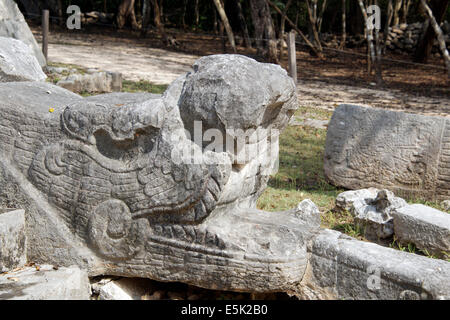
x=407, y=153
x=104, y=188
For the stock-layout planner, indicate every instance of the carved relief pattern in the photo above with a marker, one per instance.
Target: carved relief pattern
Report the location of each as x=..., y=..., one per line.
x=386, y=149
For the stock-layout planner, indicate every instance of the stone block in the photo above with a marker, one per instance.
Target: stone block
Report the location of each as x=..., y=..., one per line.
x=12, y=239
x=45, y=283
x=424, y=226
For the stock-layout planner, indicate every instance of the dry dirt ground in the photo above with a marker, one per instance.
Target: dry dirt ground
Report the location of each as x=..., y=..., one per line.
x=341, y=78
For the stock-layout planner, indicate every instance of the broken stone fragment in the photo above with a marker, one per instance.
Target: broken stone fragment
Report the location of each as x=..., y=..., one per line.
x=12, y=239
x=123, y=289
x=45, y=283
x=426, y=227
x=13, y=25
x=342, y=267
x=374, y=216
x=446, y=205
x=18, y=63
x=308, y=212
x=345, y=200
x=93, y=82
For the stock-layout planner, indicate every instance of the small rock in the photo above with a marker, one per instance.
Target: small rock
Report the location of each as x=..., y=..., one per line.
x=446, y=205
x=124, y=289
x=374, y=215
x=308, y=212
x=345, y=200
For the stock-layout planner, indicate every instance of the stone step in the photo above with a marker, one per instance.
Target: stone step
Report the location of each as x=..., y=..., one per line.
x=12, y=239
x=45, y=282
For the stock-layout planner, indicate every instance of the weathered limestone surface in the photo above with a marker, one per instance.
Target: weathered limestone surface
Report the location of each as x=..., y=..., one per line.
x=345, y=200
x=45, y=284
x=406, y=153
x=18, y=63
x=122, y=98
x=12, y=239
x=13, y=25
x=374, y=215
x=344, y=268
x=122, y=289
x=446, y=205
x=92, y=82
x=426, y=227
x=108, y=186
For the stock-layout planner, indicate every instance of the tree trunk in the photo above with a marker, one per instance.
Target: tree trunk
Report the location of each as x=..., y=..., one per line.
x=215, y=22
x=378, y=66
x=247, y=41
x=320, y=18
x=146, y=10
x=440, y=35
x=197, y=13
x=226, y=23
x=183, y=16
x=425, y=44
x=60, y=13
x=405, y=10
x=258, y=24
x=344, y=31
x=312, y=13
x=263, y=23
x=294, y=26
x=390, y=10
x=157, y=19
x=283, y=27
x=397, y=7
x=369, y=35
x=126, y=12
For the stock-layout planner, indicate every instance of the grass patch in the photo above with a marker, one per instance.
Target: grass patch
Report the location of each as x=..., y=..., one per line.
x=313, y=113
x=142, y=86
x=300, y=175
x=411, y=248
x=433, y=204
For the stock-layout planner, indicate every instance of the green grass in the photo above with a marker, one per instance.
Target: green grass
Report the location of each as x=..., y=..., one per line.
x=300, y=174
x=142, y=86
x=433, y=204
x=411, y=248
x=127, y=85
x=313, y=113
x=301, y=177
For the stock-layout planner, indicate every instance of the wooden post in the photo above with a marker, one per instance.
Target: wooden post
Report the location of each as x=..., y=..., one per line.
x=292, y=54
x=45, y=27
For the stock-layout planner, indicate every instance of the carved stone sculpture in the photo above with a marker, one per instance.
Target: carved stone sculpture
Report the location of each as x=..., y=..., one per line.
x=406, y=153
x=107, y=186
x=13, y=25
x=17, y=62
